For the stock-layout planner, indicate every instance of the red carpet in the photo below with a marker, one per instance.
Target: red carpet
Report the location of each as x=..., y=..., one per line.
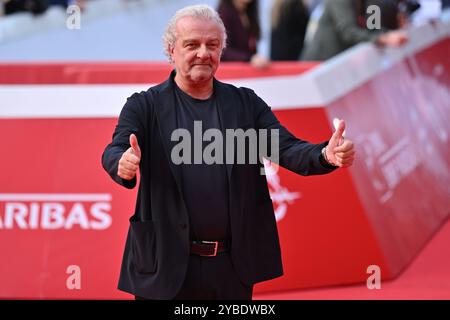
x=427, y=277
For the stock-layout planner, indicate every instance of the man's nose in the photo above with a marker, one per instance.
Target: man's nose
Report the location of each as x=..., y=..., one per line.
x=203, y=52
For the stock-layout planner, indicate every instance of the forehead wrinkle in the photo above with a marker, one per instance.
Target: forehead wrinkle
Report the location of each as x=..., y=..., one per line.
x=195, y=39
x=193, y=32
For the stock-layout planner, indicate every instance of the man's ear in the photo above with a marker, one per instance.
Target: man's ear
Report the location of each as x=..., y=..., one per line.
x=171, y=53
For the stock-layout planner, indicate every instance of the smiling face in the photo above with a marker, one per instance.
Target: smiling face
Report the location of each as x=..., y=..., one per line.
x=196, y=52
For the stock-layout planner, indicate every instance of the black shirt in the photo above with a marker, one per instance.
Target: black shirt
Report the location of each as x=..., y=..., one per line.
x=204, y=186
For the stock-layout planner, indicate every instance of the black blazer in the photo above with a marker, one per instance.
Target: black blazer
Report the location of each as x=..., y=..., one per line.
x=157, y=247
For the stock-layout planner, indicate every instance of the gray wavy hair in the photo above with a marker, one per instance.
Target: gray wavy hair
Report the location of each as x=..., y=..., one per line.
x=200, y=11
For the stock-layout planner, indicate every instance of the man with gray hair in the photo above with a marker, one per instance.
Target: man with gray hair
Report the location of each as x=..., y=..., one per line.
x=202, y=230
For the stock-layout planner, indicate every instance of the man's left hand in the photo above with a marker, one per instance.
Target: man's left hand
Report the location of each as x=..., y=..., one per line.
x=340, y=152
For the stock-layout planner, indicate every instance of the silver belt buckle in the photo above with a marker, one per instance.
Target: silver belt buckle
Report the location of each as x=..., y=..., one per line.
x=216, y=246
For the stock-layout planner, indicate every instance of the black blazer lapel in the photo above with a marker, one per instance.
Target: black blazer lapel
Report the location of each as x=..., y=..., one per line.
x=227, y=103
x=166, y=114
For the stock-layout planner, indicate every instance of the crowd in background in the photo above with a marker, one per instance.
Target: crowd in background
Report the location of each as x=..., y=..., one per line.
x=300, y=29
x=342, y=24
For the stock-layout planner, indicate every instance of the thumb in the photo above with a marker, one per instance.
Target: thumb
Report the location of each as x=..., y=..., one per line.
x=340, y=131
x=134, y=144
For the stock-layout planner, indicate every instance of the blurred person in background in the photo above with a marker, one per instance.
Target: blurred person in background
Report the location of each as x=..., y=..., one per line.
x=66, y=3
x=241, y=19
x=424, y=11
x=392, y=17
x=35, y=7
x=315, y=8
x=312, y=4
x=343, y=25
x=288, y=28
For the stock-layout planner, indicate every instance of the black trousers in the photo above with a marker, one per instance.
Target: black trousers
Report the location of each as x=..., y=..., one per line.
x=212, y=278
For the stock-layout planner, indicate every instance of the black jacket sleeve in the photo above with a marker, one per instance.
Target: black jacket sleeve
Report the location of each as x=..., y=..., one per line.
x=295, y=154
x=131, y=120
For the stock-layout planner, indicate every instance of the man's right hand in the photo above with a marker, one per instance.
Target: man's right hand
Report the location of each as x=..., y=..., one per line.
x=129, y=162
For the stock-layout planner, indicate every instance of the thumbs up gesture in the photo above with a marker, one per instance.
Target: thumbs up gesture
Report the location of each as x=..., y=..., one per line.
x=129, y=162
x=339, y=151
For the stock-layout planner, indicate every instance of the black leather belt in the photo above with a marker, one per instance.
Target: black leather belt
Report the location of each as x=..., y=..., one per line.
x=208, y=248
